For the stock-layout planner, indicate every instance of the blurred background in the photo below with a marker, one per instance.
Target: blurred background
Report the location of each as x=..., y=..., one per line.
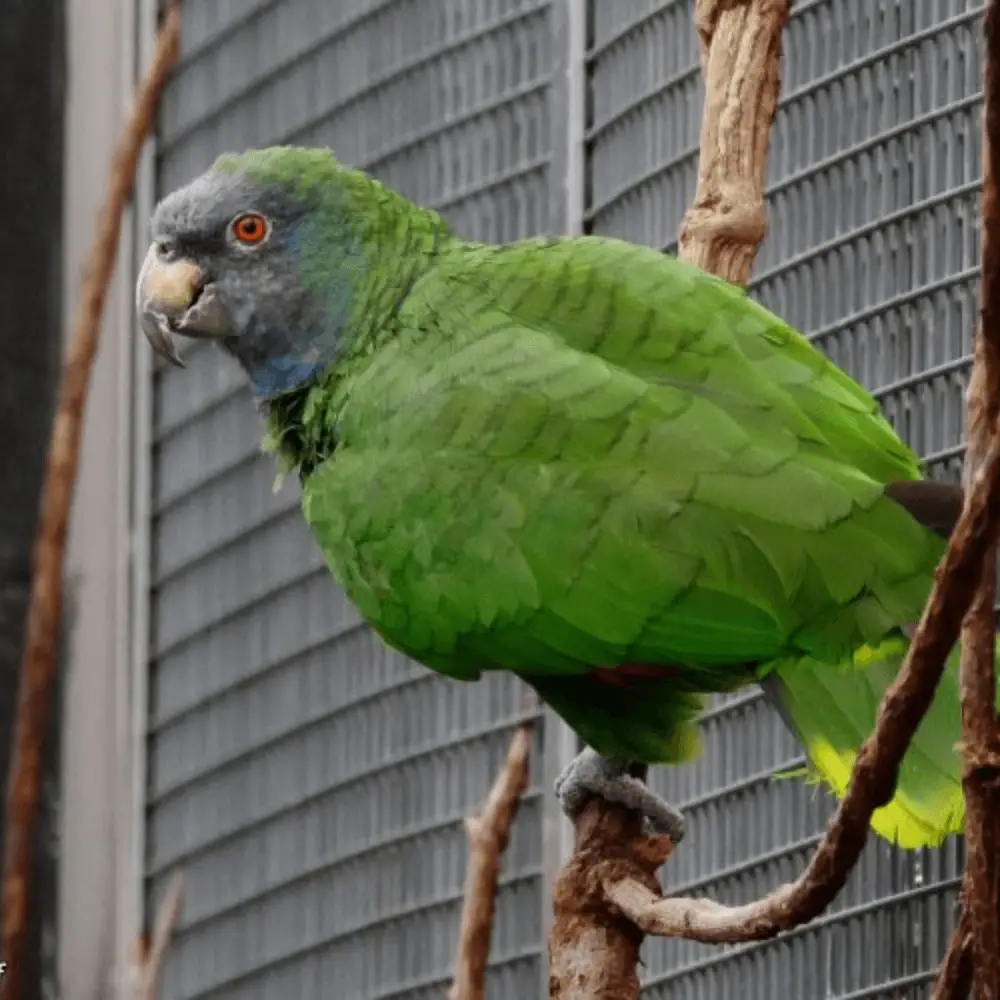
x=223, y=711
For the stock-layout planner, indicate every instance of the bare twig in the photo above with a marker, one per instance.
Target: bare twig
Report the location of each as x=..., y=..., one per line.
x=167, y=918
x=954, y=976
x=38, y=663
x=977, y=679
x=488, y=835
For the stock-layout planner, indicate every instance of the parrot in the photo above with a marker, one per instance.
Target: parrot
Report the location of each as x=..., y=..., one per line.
x=576, y=459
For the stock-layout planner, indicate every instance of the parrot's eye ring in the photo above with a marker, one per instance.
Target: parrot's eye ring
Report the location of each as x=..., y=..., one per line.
x=249, y=229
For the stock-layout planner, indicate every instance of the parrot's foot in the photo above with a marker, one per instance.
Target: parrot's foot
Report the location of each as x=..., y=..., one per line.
x=591, y=774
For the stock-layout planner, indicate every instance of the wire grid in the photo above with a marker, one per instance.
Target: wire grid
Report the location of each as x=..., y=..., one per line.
x=872, y=250
x=310, y=782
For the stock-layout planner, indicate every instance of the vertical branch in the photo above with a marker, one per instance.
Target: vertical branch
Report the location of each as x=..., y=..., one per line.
x=741, y=53
x=977, y=684
x=593, y=945
x=954, y=976
x=488, y=835
x=38, y=662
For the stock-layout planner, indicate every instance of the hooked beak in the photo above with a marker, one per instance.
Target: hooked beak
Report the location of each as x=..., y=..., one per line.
x=174, y=297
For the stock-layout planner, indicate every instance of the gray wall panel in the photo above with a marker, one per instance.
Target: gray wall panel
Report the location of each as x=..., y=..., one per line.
x=310, y=782
x=872, y=250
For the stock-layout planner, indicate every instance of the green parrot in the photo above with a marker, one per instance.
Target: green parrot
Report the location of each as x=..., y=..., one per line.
x=576, y=459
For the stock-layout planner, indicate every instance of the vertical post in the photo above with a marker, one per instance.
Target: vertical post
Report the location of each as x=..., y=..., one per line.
x=561, y=745
x=127, y=17
x=132, y=684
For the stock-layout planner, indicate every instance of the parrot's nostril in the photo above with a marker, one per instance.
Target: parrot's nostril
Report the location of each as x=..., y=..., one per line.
x=167, y=249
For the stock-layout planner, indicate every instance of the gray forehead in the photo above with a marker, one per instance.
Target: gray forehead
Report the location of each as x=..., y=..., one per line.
x=211, y=201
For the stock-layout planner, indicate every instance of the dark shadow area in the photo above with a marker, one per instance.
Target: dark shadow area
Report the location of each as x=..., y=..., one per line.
x=32, y=101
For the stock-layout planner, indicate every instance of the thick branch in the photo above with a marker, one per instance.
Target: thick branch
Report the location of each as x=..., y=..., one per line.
x=38, y=663
x=488, y=835
x=977, y=683
x=741, y=49
x=593, y=947
x=954, y=976
x=875, y=769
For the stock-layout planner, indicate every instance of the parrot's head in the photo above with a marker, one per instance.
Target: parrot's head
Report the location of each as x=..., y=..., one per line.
x=268, y=254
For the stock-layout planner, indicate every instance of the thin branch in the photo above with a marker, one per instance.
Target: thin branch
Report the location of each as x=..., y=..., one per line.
x=954, y=976
x=977, y=678
x=488, y=835
x=167, y=918
x=38, y=663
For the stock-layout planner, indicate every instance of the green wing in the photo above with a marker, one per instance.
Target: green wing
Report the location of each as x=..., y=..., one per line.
x=582, y=453
x=673, y=324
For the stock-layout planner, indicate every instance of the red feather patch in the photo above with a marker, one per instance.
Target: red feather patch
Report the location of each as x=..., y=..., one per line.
x=625, y=676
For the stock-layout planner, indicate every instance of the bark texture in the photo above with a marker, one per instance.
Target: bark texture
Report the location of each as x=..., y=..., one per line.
x=977, y=684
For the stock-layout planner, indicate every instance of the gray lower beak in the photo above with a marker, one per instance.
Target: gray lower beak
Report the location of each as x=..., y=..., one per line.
x=172, y=297
x=156, y=327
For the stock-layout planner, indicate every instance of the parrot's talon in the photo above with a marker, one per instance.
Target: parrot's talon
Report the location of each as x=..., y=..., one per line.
x=590, y=774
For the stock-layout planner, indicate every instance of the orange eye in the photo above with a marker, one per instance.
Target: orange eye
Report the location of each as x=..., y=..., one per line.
x=250, y=228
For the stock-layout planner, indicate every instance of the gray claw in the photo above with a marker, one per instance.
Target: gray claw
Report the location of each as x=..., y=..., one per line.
x=591, y=774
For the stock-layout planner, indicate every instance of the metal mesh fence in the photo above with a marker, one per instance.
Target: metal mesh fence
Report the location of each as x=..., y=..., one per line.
x=872, y=250
x=310, y=782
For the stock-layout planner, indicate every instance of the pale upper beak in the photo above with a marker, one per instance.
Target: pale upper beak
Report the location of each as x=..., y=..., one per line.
x=174, y=297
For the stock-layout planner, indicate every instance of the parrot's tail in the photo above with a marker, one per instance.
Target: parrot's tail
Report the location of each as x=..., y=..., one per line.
x=832, y=709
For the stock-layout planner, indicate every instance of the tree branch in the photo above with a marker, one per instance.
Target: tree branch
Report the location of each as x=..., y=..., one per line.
x=488, y=835
x=741, y=53
x=593, y=946
x=167, y=917
x=977, y=679
x=38, y=663
x=954, y=976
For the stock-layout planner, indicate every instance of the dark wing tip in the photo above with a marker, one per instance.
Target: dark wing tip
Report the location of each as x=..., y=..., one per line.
x=936, y=506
